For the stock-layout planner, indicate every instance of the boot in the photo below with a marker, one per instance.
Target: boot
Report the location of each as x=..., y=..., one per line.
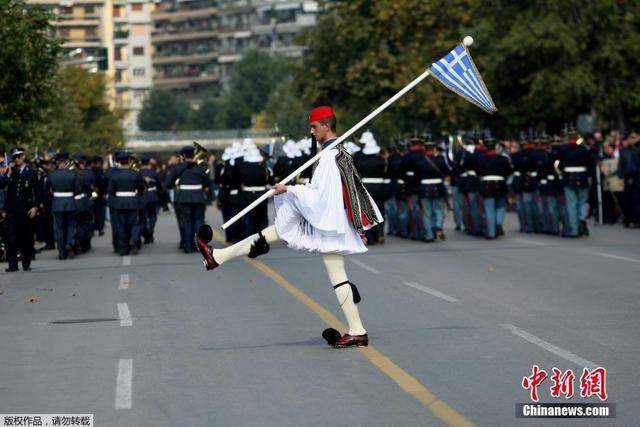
x=352, y=340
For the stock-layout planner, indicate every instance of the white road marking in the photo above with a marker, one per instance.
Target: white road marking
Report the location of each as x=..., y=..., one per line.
x=621, y=258
x=528, y=241
x=430, y=291
x=124, y=314
x=565, y=354
x=365, y=266
x=124, y=281
x=126, y=260
x=123, y=384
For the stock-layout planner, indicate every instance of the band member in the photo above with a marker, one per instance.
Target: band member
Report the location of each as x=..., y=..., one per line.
x=329, y=216
x=493, y=170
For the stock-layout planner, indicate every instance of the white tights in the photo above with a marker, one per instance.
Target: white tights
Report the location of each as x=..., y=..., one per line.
x=334, y=264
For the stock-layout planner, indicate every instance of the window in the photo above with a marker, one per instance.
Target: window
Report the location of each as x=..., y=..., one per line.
x=67, y=10
x=117, y=11
x=138, y=51
x=137, y=7
x=64, y=32
x=89, y=9
x=138, y=72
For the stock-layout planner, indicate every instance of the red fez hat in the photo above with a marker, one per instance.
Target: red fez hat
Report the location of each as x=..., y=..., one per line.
x=320, y=113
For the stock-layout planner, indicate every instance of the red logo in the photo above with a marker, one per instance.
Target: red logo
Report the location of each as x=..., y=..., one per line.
x=531, y=383
x=592, y=383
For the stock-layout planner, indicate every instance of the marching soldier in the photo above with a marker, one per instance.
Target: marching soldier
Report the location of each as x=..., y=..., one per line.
x=84, y=204
x=190, y=182
x=431, y=171
x=395, y=207
x=518, y=163
x=469, y=187
x=575, y=163
x=44, y=219
x=408, y=170
x=125, y=186
x=152, y=185
x=456, y=152
x=63, y=185
x=22, y=198
x=100, y=203
x=254, y=177
x=493, y=169
x=548, y=189
x=373, y=170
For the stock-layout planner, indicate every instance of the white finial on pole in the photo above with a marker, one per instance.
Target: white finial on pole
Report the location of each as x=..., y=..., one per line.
x=468, y=41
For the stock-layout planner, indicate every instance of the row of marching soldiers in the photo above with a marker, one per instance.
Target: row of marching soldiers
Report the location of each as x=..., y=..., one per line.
x=548, y=180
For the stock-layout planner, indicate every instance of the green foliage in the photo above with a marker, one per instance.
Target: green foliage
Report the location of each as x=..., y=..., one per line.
x=82, y=120
x=252, y=81
x=544, y=62
x=28, y=65
x=163, y=110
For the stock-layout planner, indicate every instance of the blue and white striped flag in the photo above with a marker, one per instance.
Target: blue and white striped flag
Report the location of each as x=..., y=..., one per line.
x=457, y=71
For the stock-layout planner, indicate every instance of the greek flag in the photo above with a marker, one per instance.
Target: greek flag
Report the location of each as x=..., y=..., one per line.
x=458, y=72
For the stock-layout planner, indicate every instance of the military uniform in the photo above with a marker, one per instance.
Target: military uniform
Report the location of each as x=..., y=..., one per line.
x=190, y=182
x=100, y=203
x=575, y=164
x=493, y=170
x=255, y=179
x=373, y=170
x=125, y=188
x=395, y=207
x=63, y=185
x=84, y=205
x=23, y=193
x=431, y=171
x=548, y=190
x=152, y=186
x=408, y=171
x=469, y=188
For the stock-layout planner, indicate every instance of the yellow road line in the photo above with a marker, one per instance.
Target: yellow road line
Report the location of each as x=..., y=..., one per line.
x=406, y=381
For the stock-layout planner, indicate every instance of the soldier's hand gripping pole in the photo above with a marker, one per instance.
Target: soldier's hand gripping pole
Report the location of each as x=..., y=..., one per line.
x=315, y=158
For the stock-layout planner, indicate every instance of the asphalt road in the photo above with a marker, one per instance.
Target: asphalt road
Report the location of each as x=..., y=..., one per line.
x=155, y=340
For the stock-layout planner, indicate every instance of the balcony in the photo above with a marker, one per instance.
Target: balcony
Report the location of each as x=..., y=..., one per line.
x=193, y=58
x=196, y=35
x=78, y=22
x=178, y=82
x=183, y=14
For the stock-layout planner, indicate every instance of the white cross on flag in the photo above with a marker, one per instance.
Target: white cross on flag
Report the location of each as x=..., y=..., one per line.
x=457, y=71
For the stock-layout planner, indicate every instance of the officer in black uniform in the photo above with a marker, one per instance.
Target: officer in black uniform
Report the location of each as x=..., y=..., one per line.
x=254, y=177
x=190, y=182
x=173, y=171
x=373, y=170
x=100, y=203
x=152, y=185
x=84, y=204
x=395, y=208
x=493, y=170
x=125, y=186
x=44, y=219
x=63, y=185
x=113, y=213
x=23, y=196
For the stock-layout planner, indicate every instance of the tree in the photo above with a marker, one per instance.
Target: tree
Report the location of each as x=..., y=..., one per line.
x=549, y=61
x=252, y=81
x=362, y=52
x=82, y=120
x=163, y=110
x=286, y=110
x=29, y=62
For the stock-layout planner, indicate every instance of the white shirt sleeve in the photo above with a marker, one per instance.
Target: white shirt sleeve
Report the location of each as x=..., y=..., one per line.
x=321, y=201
